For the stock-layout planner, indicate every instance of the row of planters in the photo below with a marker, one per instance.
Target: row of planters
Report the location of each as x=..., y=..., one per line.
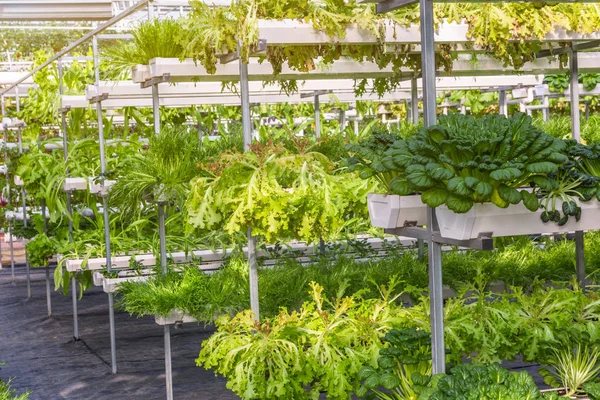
x=490, y=175
x=377, y=349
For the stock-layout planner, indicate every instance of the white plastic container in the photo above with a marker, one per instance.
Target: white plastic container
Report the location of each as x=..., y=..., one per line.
x=19, y=181
x=140, y=73
x=392, y=211
x=175, y=316
x=110, y=285
x=514, y=220
x=75, y=184
x=98, y=188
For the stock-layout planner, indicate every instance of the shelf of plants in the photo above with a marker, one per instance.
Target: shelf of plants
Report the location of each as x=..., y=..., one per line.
x=492, y=176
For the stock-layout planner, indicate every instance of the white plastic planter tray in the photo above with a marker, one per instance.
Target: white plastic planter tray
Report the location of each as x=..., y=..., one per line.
x=110, y=285
x=392, y=211
x=140, y=73
x=174, y=317
x=98, y=188
x=514, y=220
x=19, y=181
x=3, y=169
x=75, y=184
x=120, y=262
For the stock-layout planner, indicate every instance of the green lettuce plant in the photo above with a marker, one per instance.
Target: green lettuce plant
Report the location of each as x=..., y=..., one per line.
x=463, y=160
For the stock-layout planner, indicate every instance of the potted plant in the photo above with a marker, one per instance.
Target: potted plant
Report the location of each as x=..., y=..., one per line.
x=487, y=175
x=395, y=207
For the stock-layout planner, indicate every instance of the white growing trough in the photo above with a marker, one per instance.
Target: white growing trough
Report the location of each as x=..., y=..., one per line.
x=516, y=219
x=71, y=184
x=390, y=211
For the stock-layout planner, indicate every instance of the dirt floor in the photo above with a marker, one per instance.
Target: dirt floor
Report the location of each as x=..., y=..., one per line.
x=41, y=355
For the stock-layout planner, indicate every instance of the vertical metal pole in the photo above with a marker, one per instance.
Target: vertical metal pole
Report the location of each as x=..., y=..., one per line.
x=48, y=291
x=111, y=310
x=576, y=131
x=6, y=175
x=502, y=103
x=10, y=244
x=342, y=120
x=317, y=118
x=587, y=110
x=63, y=120
x=150, y=11
x=246, y=129
x=414, y=101
x=23, y=197
x=163, y=253
x=434, y=249
x=545, y=110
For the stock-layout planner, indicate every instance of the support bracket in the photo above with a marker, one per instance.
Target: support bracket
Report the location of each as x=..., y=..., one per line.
x=483, y=242
x=156, y=80
x=64, y=110
x=259, y=48
x=99, y=98
x=315, y=93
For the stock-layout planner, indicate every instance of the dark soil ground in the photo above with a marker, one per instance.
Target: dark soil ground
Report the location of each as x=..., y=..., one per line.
x=41, y=355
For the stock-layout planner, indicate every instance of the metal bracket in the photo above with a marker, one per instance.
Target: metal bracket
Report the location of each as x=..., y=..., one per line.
x=98, y=99
x=257, y=49
x=315, y=93
x=483, y=242
x=592, y=44
x=391, y=5
x=156, y=80
x=64, y=110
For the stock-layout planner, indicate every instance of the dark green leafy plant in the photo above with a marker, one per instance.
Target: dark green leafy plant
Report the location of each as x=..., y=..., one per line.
x=473, y=382
x=463, y=160
x=403, y=365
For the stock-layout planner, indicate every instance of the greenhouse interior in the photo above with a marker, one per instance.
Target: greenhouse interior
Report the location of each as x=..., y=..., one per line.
x=299, y=200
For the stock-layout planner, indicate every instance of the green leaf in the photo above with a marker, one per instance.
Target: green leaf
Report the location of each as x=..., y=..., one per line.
x=400, y=186
x=390, y=381
x=459, y=205
x=471, y=182
x=417, y=176
x=530, y=200
x=484, y=189
x=542, y=167
x=498, y=200
x=438, y=171
x=509, y=194
x=458, y=186
x=434, y=197
x=545, y=183
x=505, y=174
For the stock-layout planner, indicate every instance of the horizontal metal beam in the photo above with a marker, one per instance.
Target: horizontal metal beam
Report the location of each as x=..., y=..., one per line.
x=115, y=36
x=255, y=50
x=481, y=243
x=592, y=44
x=81, y=40
x=315, y=93
x=391, y=5
x=155, y=81
x=96, y=99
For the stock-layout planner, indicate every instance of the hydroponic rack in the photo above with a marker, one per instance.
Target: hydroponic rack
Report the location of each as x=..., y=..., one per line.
x=291, y=32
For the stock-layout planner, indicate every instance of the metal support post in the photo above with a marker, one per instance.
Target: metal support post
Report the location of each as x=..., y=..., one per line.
x=63, y=120
x=163, y=252
x=111, y=310
x=317, y=117
x=342, y=120
x=10, y=244
x=247, y=133
x=414, y=101
x=576, y=132
x=6, y=175
x=434, y=249
x=587, y=110
x=23, y=197
x=502, y=103
x=545, y=110
x=48, y=290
